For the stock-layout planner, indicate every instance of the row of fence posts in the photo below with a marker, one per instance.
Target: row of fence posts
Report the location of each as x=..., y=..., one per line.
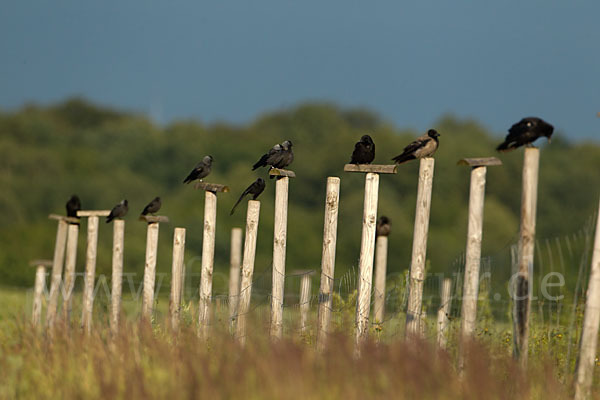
x=242, y=265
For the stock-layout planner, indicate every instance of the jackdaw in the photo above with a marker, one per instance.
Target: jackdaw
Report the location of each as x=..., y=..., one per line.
x=118, y=211
x=280, y=156
x=255, y=189
x=73, y=205
x=201, y=170
x=152, y=207
x=384, y=226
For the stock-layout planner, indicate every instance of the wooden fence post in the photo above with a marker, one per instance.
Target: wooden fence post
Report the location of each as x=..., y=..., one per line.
x=117, y=274
x=332, y=200
x=235, y=260
x=150, y=264
x=522, y=301
x=279, y=246
x=70, y=262
x=419, y=249
x=90, y=266
x=252, y=218
x=176, y=277
x=473, y=250
x=38, y=289
x=57, y=267
x=443, y=312
x=208, y=254
x=381, y=250
x=589, y=335
x=305, y=290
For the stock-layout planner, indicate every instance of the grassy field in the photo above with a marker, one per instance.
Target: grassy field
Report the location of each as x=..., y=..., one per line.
x=150, y=362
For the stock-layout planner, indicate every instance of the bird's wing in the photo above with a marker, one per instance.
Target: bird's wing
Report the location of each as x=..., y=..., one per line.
x=428, y=148
x=418, y=143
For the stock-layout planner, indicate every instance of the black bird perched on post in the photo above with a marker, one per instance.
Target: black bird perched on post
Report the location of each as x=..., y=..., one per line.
x=526, y=131
x=201, y=170
x=384, y=226
x=423, y=146
x=364, y=151
x=255, y=189
x=73, y=205
x=280, y=156
x=152, y=207
x=118, y=211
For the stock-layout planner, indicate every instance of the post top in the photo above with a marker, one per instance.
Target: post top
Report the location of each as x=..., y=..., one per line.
x=211, y=187
x=282, y=172
x=480, y=162
x=40, y=263
x=93, y=213
x=70, y=220
x=301, y=272
x=154, y=218
x=378, y=169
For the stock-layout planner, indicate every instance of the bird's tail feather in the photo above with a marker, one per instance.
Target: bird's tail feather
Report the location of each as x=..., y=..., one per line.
x=260, y=163
x=504, y=146
x=402, y=158
x=236, y=204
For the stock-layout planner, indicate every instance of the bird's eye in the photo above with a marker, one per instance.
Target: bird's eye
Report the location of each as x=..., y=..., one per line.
x=529, y=123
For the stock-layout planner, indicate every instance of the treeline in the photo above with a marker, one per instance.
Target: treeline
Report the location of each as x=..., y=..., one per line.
x=104, y=155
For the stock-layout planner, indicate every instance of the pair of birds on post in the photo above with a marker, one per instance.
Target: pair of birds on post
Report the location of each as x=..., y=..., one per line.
x=524, y=132
x=121, y=209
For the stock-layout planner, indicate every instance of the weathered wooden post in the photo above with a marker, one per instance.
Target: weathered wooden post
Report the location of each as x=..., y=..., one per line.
x=90, y=265
x=38, y=289
x=367, y=244
x=279, y=244
x=208, y=253
x=70, y=262
x=589, y=335
x=117, y=274
x=235, y=260
x=305, y=290
x=473, y=251
x=150, y=264
x=57, y=267
x=177, y=277
x=332, y=200
x=522, y=300
x=381, y=250
x=252, y=217
x=443, y=312
x=419, y=249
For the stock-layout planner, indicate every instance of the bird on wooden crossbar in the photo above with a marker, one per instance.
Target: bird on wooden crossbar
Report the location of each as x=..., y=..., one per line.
x=280, y=156
x=118, y=211
x=423, y=146
x=201, y=170
x=73, y=205
x=525, y=132
x=152, y=207
x=364, y=151
x=255, y=189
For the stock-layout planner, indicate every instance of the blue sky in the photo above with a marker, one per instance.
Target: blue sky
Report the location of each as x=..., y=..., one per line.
x=410, y=61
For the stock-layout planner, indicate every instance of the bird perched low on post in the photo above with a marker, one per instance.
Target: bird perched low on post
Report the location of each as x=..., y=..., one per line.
x=73, y=205
x=118, y=211
x=525, y=132
x=255, y=189
x=152, y=207
x=384, y=226
x=201, y=170
x=280, y=156
x=364, y=151
x=421, y=147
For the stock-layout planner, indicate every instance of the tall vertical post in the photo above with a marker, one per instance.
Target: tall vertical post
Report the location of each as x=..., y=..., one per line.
x=443, y=312
x=150, y=264
x=332, y=200
x=208, y=257
x=304, y=300
x=56, y=277
x=522, y=299
x=419, y=249
x=381, y=250
x=117, y=274
x=177, y=277
x=279, y=245
x=235, y=261
x=70, y=262
x=252, y=217
x=589, y=335
x=38, y=289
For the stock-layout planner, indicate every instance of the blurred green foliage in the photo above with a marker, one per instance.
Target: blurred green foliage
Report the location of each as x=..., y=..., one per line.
x=103, y=155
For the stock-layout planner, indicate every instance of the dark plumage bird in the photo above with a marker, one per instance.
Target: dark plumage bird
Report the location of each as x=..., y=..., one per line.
x=152, y=207
x=73, y=205
x=423, y=146
x=526, y=131
x=280, y=156
x=118, y=211
x=364, y=151
x=255, y=189
x=201, y=170
x=384, y=226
